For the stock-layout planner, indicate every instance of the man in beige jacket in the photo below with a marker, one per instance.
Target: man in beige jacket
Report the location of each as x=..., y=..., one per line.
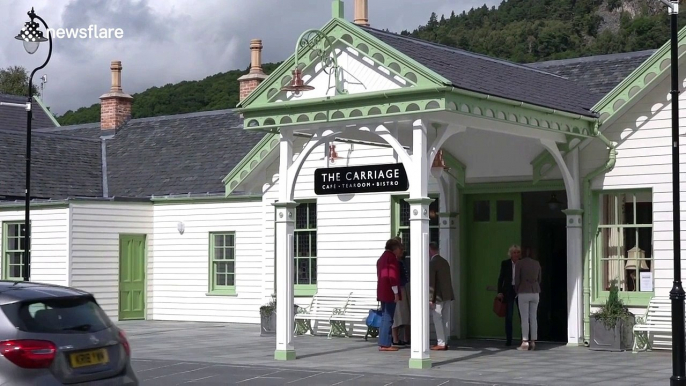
x=440, y=296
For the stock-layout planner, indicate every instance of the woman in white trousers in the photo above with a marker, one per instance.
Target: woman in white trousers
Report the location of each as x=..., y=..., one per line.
x=528, y=288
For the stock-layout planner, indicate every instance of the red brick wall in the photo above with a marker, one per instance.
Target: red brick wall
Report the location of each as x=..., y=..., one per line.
x=114, y=112
x=247, y=86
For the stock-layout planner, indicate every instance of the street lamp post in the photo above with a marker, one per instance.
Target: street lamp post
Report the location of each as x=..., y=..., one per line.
x=677, y=292
x=31, y=36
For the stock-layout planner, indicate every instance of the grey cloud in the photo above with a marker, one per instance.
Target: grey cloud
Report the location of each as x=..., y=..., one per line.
x=167, y=41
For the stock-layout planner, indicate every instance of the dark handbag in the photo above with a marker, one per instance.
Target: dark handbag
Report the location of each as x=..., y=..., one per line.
x=499, y=307
x=374, y=319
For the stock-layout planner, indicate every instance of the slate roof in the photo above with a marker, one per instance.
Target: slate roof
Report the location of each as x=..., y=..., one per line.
x=61, y=166
x=598, y=74
x=14, y=118
x=484, y=74
x=173, y=154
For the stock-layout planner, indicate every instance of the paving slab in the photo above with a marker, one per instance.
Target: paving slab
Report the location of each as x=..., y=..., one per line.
x=177, y=352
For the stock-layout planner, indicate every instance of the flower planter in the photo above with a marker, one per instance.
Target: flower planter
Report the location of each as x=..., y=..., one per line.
x=619, y=338
x=268, y=321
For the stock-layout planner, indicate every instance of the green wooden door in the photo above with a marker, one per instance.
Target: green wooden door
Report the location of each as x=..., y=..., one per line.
x=131, y=277
x=493, y=225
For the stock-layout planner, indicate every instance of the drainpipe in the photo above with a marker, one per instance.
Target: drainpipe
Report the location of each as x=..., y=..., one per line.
x=612, y=158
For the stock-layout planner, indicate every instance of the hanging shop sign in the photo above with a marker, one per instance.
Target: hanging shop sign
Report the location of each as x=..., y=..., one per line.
x=361, y=179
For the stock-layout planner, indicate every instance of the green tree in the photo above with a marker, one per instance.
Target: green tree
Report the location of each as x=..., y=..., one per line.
x=14, y=80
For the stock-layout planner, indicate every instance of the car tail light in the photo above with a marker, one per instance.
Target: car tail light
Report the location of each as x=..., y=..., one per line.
x=125, y=342
x=29, y=354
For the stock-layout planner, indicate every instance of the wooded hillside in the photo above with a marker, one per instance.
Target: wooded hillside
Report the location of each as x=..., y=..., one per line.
x=517, y=30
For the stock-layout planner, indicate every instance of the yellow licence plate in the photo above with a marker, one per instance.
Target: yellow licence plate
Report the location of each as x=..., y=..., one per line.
x=89, y=358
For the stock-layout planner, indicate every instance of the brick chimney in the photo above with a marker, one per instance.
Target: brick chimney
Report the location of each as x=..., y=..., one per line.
x=252, y=79
x=361, y=13
x=115, y=106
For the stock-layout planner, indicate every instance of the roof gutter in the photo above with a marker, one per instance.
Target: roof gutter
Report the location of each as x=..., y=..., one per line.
x=530, y=106
x=608, y=166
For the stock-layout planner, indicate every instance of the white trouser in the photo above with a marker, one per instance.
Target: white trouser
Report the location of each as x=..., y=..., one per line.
x=528, y=309
x=441, y=316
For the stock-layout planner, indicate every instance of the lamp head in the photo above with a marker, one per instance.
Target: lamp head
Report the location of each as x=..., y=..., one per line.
x=30, y=35
x=297, y=85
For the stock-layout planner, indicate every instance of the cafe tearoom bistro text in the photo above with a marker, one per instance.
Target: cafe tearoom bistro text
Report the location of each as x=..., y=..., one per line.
x=92, y=32
x=362, y=179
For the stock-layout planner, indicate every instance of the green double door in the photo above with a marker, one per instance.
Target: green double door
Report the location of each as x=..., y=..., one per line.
x=493, y=224
x=132, y=277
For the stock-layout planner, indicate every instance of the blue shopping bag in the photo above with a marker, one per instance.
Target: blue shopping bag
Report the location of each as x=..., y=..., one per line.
x=374, y=319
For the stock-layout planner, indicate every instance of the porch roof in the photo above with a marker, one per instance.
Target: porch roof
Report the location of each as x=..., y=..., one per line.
x=491, y=76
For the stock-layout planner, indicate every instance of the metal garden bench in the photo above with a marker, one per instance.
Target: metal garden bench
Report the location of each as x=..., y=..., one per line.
x=657, y=318
x=321, y=308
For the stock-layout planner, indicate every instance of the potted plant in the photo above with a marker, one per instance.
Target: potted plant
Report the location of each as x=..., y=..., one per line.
x=612, y=325
x=268, y=317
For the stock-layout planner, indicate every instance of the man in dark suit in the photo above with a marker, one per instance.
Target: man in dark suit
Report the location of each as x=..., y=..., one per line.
x=506, y=288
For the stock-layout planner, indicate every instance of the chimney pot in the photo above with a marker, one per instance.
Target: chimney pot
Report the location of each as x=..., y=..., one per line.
x=115, y=106
x=362, y=12
x=250, y=81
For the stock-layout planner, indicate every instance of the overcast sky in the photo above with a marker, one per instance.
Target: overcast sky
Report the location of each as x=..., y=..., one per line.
x=167, y=41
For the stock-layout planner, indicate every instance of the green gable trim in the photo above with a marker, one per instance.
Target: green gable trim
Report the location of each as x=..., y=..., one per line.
x=254, y=158
x=641, y=78
x=47, y=112
x=349, y=34
x=415, y=101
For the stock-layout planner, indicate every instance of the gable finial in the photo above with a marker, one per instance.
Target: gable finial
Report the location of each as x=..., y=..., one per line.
x=337, y=9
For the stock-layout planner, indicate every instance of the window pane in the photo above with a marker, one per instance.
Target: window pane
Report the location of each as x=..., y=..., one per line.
x=15, y=271
x=405, y=237
x=404, y=214
x=643, y=216
x=13, y=244
x=504, y=210
x=229, y=240
x=301, y=216
x=313, y=244
x=303, y=271
x=219, y=253
x=230, y=280
x=303, y=244
x=611, y=212
x=229, y=253
x=230, y=267
x=13, y=230
x=221, y=279
x=482, y=211
x=15, y=257
x=312, y=215
x=313, y=269
x=218, y=240
x=433, y=235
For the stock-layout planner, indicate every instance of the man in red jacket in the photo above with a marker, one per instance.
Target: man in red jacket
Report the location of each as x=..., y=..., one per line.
x=388, y=278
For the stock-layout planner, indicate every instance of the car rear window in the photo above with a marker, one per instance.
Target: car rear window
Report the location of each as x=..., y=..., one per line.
x=63, y=315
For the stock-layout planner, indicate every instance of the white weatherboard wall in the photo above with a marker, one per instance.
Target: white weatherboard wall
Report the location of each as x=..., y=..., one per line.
x=644, y=160
x=351, y=230
x=181, y=265
x=49, y=249
x=95, y=229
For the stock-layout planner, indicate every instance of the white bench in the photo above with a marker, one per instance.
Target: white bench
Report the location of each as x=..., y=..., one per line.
x=657, y=318
x=356, y=311
x=321, y=308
